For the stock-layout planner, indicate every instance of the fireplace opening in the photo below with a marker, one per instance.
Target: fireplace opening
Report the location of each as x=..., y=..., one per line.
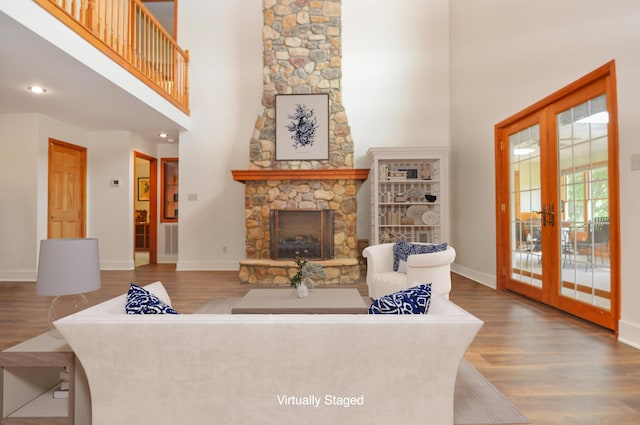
x=301, y=233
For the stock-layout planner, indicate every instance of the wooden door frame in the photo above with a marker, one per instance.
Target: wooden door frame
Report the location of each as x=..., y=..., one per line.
x=153, y=205
x=83, y=157
x=606, y=74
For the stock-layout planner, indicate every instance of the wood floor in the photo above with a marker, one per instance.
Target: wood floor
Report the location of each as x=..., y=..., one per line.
x=555, y=368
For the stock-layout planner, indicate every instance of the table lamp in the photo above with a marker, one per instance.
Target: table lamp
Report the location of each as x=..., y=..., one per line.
x=66, y=269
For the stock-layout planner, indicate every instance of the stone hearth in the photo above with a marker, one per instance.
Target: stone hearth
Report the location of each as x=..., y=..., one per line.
x=302, y=49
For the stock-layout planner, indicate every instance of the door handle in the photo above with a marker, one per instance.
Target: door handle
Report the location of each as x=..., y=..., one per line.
x=548, y=216
x=543, y=215
x=551, y=215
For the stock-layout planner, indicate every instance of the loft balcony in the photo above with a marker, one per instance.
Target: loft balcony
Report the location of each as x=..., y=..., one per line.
x=107, y=65
x=129, y=34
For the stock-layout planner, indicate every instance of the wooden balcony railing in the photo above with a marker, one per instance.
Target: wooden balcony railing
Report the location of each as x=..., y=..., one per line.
x=126, y=31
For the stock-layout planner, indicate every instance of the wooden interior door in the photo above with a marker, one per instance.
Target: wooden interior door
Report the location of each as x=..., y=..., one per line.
x=67, y=190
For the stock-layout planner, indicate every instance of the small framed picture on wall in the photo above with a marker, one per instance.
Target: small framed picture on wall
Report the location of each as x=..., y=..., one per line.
x=144, y=188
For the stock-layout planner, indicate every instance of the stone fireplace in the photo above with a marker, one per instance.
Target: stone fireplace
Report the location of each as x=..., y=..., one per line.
x=301, y=55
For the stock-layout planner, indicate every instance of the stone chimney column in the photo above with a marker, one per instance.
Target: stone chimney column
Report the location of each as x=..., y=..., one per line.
x=302, y=54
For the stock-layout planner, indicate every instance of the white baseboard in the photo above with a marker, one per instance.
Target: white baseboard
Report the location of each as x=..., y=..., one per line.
x=482, y=278
x=207, y=266
x=18, y=275
x=629, y=333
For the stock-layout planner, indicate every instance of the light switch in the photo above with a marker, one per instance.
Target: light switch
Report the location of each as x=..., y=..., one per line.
x=635, y=162
x=192, y=196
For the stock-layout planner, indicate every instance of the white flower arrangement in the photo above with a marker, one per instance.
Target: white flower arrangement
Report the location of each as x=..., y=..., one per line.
x=307, y=273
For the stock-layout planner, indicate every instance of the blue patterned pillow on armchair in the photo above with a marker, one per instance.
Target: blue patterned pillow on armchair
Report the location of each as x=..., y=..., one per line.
x=415, y=300
x=141, y=301
x=403, y=249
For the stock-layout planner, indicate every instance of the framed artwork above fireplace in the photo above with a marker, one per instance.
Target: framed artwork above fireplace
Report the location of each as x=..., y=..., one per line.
x=302, y=127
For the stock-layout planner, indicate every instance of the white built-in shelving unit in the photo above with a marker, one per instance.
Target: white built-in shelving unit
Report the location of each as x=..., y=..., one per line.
x=409, y=194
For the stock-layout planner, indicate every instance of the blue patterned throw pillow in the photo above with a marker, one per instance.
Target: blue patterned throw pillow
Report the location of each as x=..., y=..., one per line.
x=415, y=300
x=141, y=301
x=403, y=249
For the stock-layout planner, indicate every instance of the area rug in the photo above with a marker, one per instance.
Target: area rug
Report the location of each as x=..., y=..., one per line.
x=476, y=401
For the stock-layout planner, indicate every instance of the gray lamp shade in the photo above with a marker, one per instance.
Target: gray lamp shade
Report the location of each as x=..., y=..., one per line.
x=68, y=267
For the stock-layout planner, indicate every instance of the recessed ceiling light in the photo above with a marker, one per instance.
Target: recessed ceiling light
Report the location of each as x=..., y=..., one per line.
x=36, y=89
x=163, y=135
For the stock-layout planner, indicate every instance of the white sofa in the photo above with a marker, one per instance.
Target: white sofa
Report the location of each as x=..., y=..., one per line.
x=249, y=369
x=434, y=268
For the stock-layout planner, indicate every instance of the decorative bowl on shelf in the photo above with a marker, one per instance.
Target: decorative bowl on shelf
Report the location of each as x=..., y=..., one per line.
x=431, y=198
x=414, y=193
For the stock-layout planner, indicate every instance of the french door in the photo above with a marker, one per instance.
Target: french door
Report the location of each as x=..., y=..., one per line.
x=557, y=195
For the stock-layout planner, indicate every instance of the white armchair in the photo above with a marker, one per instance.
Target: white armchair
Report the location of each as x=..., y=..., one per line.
x=421, y=268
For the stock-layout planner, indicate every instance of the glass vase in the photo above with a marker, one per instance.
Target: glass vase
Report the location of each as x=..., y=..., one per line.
x=302, y=291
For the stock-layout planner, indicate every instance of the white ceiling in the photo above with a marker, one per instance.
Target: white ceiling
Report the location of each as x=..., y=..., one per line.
x=75, y=94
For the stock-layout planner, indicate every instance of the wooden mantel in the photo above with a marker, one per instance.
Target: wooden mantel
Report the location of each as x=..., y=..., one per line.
x=332, y=174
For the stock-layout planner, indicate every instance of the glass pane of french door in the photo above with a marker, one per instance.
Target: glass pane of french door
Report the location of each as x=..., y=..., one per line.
x=584, y=199
x=525, y=198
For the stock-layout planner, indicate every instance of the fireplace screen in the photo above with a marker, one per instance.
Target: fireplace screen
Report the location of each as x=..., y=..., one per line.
x=301, y=233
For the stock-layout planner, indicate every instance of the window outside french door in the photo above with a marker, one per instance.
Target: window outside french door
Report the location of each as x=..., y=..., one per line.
x=557, y=194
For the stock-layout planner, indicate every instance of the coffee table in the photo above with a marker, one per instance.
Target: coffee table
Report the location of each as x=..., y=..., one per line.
x=285, y=301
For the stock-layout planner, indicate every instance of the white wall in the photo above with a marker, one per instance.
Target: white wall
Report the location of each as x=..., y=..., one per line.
x=515, y=54
x=18, y=208
x=395, y=66
x=110, y=208
x=224, y=38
